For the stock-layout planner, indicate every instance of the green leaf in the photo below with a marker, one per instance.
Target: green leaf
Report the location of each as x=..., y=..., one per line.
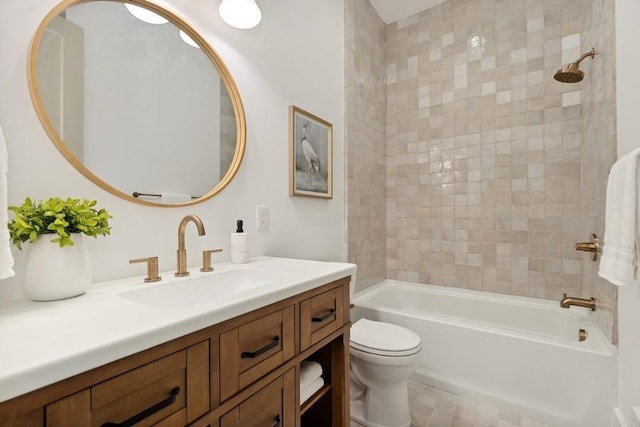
x=57, y=216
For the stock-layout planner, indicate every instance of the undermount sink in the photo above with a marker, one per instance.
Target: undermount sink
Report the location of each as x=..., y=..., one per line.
x=203, y=289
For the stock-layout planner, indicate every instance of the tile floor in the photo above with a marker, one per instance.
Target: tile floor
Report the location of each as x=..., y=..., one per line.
x=431, y=407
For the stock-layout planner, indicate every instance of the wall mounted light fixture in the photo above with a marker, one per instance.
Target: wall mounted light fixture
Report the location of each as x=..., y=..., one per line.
x=243, y=14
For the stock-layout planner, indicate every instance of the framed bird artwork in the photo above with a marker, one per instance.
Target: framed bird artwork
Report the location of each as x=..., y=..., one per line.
x=310, y=155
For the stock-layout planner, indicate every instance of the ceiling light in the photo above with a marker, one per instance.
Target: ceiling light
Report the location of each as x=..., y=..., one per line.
x=145, y=15
x=188, y=40
x=243, y=14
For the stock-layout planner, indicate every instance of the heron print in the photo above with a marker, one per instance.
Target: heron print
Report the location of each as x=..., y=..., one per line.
x=311, y=155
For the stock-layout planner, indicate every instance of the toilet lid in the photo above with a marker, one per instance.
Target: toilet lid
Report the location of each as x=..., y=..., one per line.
x=383, y=338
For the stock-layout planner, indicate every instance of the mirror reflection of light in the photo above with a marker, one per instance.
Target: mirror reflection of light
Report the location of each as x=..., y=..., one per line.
x=145, y=15
x=188, y=40
x=476, y=44
x=242, y=14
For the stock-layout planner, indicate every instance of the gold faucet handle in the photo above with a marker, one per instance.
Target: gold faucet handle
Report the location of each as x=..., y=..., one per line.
x=152, y=268
x=206, y=259
x=592, y=246
x=586, y=247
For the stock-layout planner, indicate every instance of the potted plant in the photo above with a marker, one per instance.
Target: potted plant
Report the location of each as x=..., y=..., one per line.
x=54, y=273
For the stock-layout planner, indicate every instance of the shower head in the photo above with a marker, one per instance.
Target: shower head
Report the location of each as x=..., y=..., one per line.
x=569, y=74
x=572, y=73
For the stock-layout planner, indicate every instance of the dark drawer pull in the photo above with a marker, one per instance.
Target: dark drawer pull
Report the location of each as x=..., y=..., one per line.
x=330, y=314
x=261, y=350
x=147, y=412
x=277, y=421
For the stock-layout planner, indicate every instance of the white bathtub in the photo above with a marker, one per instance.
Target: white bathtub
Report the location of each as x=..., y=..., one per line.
x=517, y=352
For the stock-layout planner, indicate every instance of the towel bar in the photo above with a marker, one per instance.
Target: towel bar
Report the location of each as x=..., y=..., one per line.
x=138, y=194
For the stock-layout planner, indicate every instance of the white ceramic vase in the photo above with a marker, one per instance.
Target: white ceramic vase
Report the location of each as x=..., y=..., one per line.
x=55, y=273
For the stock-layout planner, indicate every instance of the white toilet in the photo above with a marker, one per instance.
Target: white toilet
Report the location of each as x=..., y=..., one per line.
x=383, y=356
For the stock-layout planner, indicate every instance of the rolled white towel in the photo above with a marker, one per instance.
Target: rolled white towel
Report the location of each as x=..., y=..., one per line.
x=173, y=198
x=307, y=392
x=309, y=372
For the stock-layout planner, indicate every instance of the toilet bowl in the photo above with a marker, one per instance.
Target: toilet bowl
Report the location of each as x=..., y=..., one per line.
x=383, y=357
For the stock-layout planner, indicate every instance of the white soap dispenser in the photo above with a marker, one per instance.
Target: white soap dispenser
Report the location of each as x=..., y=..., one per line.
x=239, y=245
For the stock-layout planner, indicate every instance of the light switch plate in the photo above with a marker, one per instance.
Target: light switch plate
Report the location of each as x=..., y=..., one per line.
x=263, y=218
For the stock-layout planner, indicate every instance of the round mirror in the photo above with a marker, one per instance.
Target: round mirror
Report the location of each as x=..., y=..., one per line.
x=137, y=101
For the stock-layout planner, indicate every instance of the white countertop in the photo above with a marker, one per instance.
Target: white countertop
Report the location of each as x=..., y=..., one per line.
x=44, y=342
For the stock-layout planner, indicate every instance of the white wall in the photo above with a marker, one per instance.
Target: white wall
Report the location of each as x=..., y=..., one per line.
x=628, y=92
x=295, y=56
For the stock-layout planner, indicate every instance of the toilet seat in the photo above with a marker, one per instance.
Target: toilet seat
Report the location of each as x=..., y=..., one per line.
x=383, y=339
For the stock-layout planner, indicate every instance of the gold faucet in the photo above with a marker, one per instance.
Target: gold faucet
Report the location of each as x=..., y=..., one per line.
x=182, y=252
x=152, y=268
x=567, y=302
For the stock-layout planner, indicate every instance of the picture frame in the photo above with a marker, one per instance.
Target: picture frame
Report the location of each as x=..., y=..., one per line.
x=310, y=155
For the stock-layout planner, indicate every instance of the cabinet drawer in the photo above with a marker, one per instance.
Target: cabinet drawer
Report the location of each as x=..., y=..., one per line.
x=131, y=393
x=320, y=316
x=273, y=406
x=152, y=394
x=255, y=348
x=34, y=418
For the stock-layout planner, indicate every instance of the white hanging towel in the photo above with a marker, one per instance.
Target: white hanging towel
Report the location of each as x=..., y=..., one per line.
x=173, y=198
x=620, y=252
x=6, y=257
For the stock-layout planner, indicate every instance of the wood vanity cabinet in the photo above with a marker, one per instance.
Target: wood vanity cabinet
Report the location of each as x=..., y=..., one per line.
x=243, y=372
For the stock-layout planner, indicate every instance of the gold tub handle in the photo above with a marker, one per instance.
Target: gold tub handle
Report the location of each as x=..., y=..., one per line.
x=592, y=246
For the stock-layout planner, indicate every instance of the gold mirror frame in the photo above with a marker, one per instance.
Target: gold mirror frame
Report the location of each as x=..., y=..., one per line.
x=213, y=56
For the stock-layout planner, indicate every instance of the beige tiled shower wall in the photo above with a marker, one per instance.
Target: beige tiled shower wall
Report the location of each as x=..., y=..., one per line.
x=484, y=147
x=599, y=147
x=365, y=140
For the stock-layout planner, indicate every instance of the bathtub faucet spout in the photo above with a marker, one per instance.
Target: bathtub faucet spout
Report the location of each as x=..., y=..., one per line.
x=567, y=302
